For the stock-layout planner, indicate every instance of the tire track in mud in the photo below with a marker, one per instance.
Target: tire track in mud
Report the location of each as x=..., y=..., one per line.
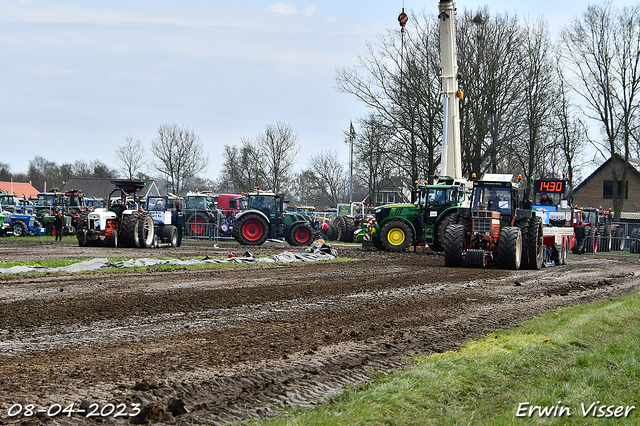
x=233, y=344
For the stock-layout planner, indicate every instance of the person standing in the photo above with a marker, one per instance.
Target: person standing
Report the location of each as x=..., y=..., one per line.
x=58, y=224
x=177, y=220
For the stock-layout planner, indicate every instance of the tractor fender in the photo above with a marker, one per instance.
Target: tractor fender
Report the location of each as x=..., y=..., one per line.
x=258, y=212
x=398, y=218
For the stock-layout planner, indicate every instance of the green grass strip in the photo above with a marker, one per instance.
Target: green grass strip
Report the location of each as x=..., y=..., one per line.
x=579, y=356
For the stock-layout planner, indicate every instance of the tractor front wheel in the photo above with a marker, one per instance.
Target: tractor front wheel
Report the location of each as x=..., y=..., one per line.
x=396, y=236
x=19, y=228
x=453, y=245
x=251, y=229
x=510, y=247
x=300, y=234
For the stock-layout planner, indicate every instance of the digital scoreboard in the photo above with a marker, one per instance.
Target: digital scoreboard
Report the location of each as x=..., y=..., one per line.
x=552, y=186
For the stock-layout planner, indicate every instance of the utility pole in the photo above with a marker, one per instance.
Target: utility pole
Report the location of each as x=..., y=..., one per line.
x=352, y=136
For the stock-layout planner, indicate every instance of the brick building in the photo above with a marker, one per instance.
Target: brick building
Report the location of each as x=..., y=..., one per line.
x=597, y=189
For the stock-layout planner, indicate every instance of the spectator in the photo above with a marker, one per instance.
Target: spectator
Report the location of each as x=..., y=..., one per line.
x=177, y=219
x=58, y=224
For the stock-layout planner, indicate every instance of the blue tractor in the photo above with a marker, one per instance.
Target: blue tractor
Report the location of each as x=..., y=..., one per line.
x=20, y=225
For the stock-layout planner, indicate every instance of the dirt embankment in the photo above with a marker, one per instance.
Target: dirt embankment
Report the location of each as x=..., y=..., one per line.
x=207, y=347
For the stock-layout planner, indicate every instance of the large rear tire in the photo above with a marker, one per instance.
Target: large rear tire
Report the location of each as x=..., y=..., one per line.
x=396, y=236
x=129, y=230
x=534, y=245
x=145, y=230
x=345, y=227
x=169, y=234
x=510, y=247
x=438, y=241
x=604, y=238
x=453, y=245
x=300, y=234
x=198, y=224
x=251, y=229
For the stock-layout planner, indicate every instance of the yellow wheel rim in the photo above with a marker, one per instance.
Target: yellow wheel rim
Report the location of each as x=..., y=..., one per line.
x=396, y=236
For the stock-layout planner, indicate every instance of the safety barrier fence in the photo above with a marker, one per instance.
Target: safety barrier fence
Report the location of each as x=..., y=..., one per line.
x=204, y=231
x=622, y=240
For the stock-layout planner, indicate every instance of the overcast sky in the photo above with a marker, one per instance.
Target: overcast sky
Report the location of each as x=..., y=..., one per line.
x=78, y=77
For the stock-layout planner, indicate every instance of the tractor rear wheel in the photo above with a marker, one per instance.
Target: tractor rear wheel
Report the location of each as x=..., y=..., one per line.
x=169, y=234
x=198, y=224
x=251, y=229
x=604, y=238
x=300, y=234
x=19, y=228
x=145, y=230
x=396, y=236
x=591, y=240
x=129, y=230
x=438, y=241
x=345, y=227
x=332, y=232
x=510, y=247
x=453, y=245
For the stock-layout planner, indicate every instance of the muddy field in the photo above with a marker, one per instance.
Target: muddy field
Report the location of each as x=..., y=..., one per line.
x=192, y=347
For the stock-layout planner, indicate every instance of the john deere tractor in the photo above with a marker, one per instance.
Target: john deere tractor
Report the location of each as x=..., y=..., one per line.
x=398, y=226
x=265, y=218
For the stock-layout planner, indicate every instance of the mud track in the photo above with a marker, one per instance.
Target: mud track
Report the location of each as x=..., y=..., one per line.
x=209, y=347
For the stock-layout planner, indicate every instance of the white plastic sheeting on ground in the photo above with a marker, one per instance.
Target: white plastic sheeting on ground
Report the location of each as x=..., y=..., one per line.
x=311, y=254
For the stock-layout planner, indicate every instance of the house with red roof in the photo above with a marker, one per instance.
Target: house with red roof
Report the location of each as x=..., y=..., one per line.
x=20, y=189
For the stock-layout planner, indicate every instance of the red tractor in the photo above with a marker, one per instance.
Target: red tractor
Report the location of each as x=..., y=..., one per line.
x=494, y=230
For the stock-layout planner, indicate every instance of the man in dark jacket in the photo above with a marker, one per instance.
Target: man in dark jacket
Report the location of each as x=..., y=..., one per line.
x=58, y=224
x=177, y=220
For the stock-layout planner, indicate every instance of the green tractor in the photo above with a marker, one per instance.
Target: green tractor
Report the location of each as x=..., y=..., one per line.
x=265, y=218
x=395, y=227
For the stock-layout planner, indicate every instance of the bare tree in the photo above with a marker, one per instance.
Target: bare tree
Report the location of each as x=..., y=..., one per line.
x=132, y=158
x=5, y=172
x=278, y=147
x=571, y=134
x=43, y=173
x=241, y=169
x=538, y=93
x=180, y=155
x=370, y=151
x=602, y=49
x=329, y=178
x=489, y=60
x=399, y=80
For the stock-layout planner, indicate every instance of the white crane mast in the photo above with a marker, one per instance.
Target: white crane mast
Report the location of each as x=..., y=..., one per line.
x=451, y=161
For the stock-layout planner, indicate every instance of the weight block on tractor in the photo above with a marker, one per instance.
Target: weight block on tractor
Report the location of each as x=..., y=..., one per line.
x=475, y=258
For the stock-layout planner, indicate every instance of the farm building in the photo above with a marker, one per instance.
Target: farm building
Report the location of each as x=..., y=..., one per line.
x=21, y=189
x=597, y=189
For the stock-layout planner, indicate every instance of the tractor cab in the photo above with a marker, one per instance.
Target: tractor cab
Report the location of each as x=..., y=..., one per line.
x=267, y=202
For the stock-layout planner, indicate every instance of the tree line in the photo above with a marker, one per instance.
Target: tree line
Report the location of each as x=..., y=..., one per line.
x=531, y=106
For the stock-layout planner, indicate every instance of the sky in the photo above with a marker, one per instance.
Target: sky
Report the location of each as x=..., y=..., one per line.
x=79, y=77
